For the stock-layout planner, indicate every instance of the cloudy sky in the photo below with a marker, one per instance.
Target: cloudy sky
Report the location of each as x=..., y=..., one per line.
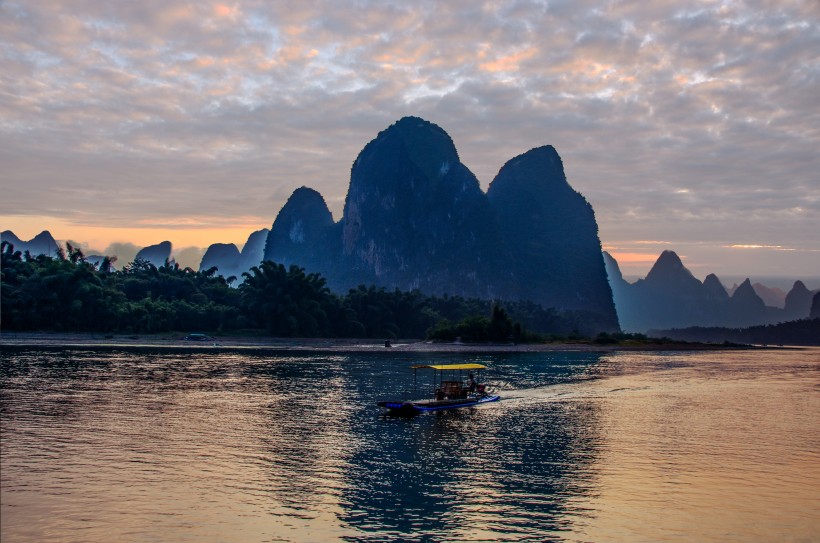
x=691, y=126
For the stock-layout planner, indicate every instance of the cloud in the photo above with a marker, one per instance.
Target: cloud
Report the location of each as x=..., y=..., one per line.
x=124, y=251
x=686, y=121
x=189, y=257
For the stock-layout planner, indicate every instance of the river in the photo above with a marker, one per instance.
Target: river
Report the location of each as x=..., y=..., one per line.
x=100, y=445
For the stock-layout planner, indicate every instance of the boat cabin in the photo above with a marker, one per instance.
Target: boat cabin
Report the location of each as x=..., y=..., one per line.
x=450, y=390
x=450, y=381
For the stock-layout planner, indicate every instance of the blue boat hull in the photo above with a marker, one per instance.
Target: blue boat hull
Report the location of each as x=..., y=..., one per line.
x=421, y=406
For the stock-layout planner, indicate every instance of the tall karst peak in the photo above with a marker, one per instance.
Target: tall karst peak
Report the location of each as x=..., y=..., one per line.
x=222, y=256
x=415, y=216
x=714, y=289
x=798, y=289
x=814, y=312
x=41, y=244
x=669, y=272
x=613, y=269
x=427, y=145
x=229, y=261
x=668, y=261
x=9, y=236
x=301, y=220
x=551, y=234
x=411, y=154
x=254, y=249
x=306, y=200
x=745, y=288
x=43, y=237
x=746, y=296
x=299, y=234
x=156, y=254
x=798, y=300
x=538, y=170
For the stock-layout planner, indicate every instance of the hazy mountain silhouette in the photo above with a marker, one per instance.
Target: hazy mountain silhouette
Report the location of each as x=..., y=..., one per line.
x=798, y=301
x=745, y=300
x=302, y=234
x=670, y=297
x=815, y=306
x=613, y=271
x=253, y=251
x=223, y=256
x=714, y=289
x=669, y=273
x=41, y=244
x=10, y=237
x=230, y=261
x=771, y=296
x=156, y=254
x=415, y=217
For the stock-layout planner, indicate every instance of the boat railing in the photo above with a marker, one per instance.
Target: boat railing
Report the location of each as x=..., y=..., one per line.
x=452, y=390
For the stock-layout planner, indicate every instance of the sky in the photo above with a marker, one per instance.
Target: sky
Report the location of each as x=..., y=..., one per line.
x=689, y=126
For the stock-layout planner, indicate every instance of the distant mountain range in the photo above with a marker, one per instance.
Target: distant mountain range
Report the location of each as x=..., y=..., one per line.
x=230, y=261
x=671, y=297
x=41, y=244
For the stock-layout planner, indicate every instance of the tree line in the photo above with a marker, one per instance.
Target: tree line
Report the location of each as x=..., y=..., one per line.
x=70, y=294
x=799, y=332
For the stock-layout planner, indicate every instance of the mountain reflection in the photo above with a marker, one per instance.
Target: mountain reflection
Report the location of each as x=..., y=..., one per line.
x=487, y=472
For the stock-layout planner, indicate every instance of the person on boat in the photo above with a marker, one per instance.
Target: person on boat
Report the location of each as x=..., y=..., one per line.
x=471, y=384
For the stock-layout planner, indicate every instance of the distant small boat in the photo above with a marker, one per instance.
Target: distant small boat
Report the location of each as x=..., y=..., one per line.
x=449, y=393
x=197, y=337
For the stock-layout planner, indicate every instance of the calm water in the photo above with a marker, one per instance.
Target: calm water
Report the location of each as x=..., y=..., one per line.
x=156, y=446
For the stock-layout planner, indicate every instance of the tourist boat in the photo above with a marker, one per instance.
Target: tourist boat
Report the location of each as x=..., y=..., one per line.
x=450, y=390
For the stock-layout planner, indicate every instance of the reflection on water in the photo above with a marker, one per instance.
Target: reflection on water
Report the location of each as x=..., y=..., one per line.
x=457, y=474
x=156, y=446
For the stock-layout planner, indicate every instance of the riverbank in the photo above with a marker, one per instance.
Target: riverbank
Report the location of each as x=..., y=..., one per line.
x=178, y=342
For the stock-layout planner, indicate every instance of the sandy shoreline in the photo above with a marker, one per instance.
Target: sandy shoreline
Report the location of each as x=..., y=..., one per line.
x=177, y=342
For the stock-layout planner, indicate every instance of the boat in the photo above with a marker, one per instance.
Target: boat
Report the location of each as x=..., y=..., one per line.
x=450, y=391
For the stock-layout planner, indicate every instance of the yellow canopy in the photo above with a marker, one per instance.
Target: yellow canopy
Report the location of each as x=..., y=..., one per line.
x=451, y=366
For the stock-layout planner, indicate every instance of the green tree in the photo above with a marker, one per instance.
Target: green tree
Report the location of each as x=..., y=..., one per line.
x=288, y=302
